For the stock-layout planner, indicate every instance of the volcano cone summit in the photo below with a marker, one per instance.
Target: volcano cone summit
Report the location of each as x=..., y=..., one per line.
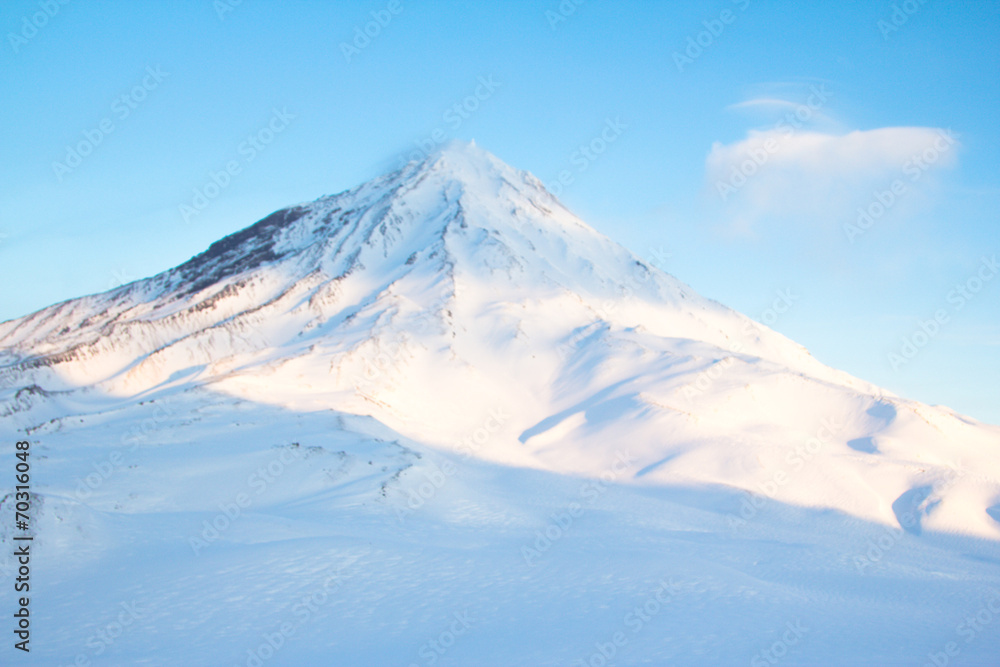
x=440, y=418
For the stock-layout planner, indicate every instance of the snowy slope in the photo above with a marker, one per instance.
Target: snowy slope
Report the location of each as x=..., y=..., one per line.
x=413, y=383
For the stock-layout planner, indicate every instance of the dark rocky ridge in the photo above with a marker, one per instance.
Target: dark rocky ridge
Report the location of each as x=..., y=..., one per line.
x=241, y=251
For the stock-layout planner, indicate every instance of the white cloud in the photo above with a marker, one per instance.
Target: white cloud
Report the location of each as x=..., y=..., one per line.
x=806, y=176
x=808, y=112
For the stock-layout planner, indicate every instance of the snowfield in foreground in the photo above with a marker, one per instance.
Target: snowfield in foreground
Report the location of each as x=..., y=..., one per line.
x=439, y=420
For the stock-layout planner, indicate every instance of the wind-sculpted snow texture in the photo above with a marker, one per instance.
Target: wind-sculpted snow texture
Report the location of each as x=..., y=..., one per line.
x=439, y=420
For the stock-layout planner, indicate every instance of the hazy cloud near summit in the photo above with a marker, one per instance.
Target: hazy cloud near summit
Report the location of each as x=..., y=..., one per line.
x=812, y=177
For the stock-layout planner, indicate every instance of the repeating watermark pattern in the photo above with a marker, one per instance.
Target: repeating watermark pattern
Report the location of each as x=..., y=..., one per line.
x=363, y=36
x=782, y=303
x=138, y=433
x=122, y=107
x=795, y=459
x=561, y=522
x=699, y=43
x=223, y=7
x=973, y=625
x=635, y=620
x=454, y=116
x=386, y=358
x=258, y=482
x=32, y=23
x=587, y=153
x=254, y=339
x=562, y=12
x=900, y=15
x=303, y=611
x=382, y=358
x=706, y=378
x=106, y=635
x=756, y=158
x=909, y=521
x=772, y=655
x=471, y=445
x=659, y=258
x=639, y=276
x=120, y=277
x=436, y=477
x=248, y=150
x=769, y=145
x=565, y=349
x=914, y=168
x=957, y=298
x=116, y=459
x=431, y=651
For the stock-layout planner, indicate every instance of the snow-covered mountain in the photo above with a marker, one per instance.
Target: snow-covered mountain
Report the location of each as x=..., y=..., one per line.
x=449, y=391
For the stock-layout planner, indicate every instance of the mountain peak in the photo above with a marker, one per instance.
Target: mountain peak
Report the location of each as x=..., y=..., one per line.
x=374, y=386
x=475, y=167
x=459, y=148
x=429, y=296
x=444, y=236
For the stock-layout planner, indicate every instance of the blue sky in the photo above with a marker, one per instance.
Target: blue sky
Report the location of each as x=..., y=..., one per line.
x=888, y=107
